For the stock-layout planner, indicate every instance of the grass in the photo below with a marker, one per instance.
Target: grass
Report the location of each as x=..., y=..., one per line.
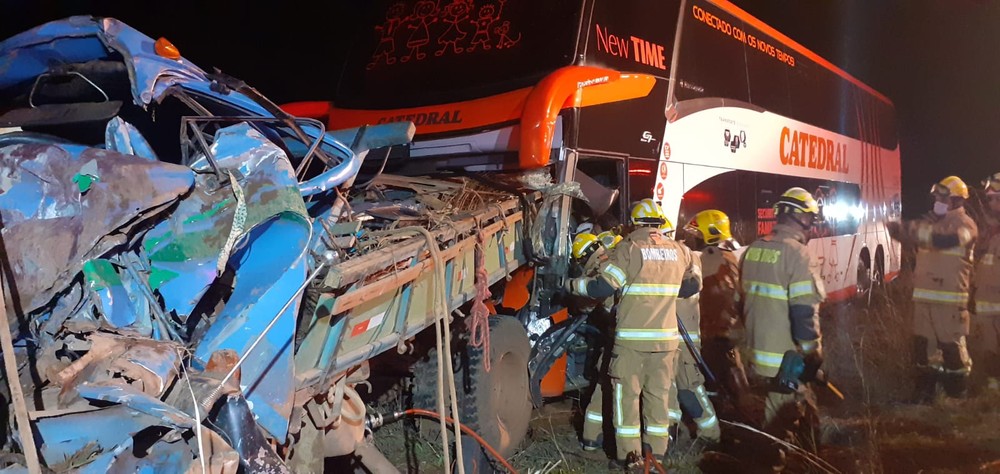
x=867, y=355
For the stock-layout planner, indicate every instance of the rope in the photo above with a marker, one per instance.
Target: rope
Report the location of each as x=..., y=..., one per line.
x=440, y=302
x=480, y=325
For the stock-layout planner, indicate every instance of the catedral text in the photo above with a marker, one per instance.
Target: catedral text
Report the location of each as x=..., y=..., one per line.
x=642, y=51
x=426, y=118
x=810, y=151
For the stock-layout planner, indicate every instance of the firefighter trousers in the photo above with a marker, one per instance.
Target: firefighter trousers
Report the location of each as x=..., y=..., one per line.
x=940, y=332
x=593, y=415
x=648, y=375
x=689, y=390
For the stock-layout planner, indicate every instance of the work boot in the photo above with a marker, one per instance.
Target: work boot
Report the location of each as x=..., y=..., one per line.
x=955, y=384
x=924, y=388
x=592, y=445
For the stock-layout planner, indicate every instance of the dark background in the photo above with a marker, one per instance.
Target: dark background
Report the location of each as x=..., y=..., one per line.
x=938, y=60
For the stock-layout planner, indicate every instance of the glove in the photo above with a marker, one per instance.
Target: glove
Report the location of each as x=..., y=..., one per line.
x=567, y=286
x=811, y=371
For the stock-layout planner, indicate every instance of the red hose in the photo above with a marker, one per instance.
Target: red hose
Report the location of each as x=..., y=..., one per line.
x=466, y=430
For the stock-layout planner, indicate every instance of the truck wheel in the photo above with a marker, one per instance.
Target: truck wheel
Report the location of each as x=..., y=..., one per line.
x=495, y=404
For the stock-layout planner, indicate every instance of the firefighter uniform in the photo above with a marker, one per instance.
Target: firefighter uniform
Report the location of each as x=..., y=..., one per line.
x=594, y=250
x=941, y=285
x=782, y=293
x=689, y=383
x=651, y=271
x=985, y=337
x=721, y=328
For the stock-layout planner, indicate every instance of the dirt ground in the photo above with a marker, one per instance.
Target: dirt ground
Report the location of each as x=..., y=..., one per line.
x=872, y=431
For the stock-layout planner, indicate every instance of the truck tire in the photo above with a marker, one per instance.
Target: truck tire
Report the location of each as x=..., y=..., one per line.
x=495, y=404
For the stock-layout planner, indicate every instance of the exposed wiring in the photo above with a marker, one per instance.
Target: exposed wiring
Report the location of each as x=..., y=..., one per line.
x=376, y=420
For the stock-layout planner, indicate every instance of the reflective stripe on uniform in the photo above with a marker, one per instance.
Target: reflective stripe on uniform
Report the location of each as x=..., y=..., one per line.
x=595, y=417
x=695, y=337
x=986, y=307
x=942, y=296
x=800, y=288
x=618, y=404
x=627, y=431
x=767, y=359
x=647, y=334
x=652, y=289
x=808, y=346
x=674, y=415
x=709, y=422
x=766, y=290
x=658, y=430
x=581, y=286
x=616, y=273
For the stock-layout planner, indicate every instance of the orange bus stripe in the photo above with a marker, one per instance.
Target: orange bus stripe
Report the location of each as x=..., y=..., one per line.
x=763, y=27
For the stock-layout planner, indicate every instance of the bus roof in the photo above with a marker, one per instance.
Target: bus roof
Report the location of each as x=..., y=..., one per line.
x=764, y=27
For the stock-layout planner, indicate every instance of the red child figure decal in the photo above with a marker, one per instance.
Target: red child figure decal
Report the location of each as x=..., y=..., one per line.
x=387, y=31
x=424, y=13
x=503, y=31
x=455, y=13
x=488, y=14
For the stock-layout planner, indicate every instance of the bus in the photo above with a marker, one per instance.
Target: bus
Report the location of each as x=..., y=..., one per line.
x=637, y=96
x=629, y=99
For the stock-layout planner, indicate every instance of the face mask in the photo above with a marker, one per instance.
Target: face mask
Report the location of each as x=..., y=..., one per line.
x=941, y=208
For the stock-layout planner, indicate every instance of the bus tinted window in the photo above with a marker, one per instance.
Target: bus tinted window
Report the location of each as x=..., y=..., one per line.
x=710, y=63
x=722, y=56
x=748, y=198
x=419, y=52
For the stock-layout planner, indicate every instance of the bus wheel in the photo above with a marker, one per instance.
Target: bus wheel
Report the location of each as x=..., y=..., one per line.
x=864, y=280
x=495, y=404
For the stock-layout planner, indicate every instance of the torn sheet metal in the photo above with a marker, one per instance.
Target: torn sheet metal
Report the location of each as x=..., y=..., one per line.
x=274, y=256
x=184, y=250
x=130, y=268
x=51, y=228
x=124, y=138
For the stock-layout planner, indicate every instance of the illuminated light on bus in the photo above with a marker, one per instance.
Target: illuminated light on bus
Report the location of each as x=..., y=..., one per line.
x=640, y=171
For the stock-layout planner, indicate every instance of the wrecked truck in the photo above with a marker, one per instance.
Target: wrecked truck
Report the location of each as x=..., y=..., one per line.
x=198, y=281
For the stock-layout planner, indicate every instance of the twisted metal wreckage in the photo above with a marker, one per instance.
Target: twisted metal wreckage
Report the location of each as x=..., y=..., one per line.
x=200, y=304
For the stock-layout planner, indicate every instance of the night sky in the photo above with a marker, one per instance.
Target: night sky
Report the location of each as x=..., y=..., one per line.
x=937, y=60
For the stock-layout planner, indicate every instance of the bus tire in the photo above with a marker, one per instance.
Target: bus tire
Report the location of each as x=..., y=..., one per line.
x=495, y=404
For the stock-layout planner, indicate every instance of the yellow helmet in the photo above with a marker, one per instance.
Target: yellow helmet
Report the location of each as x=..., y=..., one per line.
x=609, y=239
x=648, y=213
x=993, y=184
x=796, y=201
x=584, y=244
x=952, y=186
x=712, y=225
x=667, y=227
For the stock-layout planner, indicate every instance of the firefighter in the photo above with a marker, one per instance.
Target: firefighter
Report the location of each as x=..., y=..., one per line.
x=651, y=271
x=721, y=327
x=941, y=284
x=985, y=337
x=781, y=292
x=590, y=251
x=689, y=384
